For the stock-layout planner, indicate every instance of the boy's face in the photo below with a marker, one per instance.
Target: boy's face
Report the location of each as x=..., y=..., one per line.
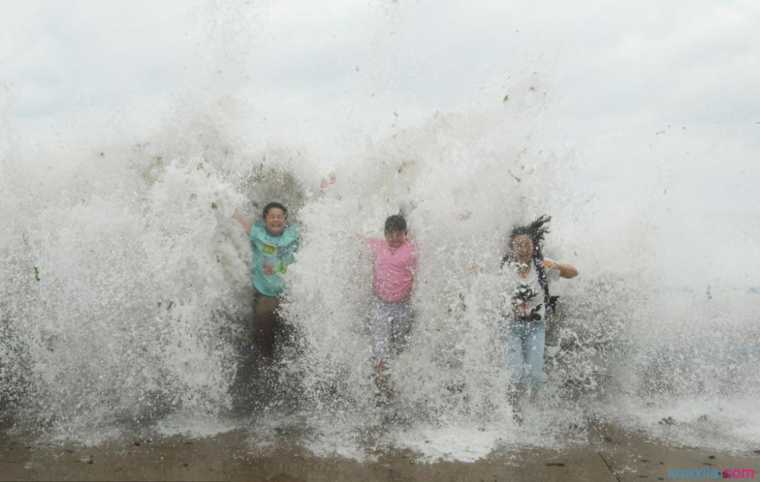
x=275, y=221
x=522, y=248
x=395, y=238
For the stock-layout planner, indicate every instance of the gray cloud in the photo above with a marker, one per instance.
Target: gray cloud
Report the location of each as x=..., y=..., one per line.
x=660, y=98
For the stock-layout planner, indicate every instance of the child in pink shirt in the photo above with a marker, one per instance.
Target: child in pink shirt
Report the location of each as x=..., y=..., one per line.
x=390, y=319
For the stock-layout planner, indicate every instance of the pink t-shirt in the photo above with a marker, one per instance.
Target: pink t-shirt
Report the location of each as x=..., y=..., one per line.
x=394, y=270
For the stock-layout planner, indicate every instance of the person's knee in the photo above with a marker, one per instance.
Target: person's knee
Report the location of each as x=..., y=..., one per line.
x=265, y=308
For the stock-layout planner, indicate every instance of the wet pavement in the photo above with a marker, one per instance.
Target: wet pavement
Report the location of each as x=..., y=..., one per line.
x=610, y=455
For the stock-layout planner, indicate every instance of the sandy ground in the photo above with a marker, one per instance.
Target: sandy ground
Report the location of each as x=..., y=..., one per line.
x=610, y=455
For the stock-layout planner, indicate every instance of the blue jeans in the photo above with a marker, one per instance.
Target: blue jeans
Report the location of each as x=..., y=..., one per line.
x=524, y=351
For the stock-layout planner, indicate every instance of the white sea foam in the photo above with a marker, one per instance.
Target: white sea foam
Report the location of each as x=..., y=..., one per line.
x=124, y=290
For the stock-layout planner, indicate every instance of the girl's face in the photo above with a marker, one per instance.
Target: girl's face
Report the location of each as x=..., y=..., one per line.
x=395, y=238
x=522, y=248
x=275, y=221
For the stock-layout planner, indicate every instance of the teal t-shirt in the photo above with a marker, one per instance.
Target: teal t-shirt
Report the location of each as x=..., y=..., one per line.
x=275, y=251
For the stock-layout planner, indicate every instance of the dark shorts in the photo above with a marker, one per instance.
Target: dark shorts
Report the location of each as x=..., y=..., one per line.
x=266, y=324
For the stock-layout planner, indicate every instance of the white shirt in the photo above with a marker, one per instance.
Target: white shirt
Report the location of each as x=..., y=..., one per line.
x=523, y=295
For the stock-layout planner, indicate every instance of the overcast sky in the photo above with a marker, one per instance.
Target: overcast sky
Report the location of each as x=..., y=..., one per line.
x=673, y=86
x=692, y=62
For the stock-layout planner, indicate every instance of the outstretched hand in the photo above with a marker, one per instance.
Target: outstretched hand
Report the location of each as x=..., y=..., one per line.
x=244, y=221
x=565, y=270
x=327, y=182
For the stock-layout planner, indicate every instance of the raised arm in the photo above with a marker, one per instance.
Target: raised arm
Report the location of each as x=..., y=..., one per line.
x=327, y=182
x=244, y=221
x=565, y=270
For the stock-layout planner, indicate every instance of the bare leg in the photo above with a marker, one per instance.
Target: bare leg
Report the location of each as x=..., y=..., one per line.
x=383, y=383
x=396, y=329
x=264, y=324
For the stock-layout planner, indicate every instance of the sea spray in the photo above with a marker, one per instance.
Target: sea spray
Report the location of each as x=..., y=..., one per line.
x=125, y=294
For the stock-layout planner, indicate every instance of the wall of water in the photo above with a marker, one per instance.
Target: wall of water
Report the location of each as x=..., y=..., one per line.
x=124, y=289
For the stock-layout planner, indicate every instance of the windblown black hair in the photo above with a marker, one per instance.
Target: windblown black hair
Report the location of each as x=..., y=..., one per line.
x=536, y=230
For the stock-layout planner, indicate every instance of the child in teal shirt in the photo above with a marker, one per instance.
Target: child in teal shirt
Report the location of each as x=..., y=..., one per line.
x=273, y=245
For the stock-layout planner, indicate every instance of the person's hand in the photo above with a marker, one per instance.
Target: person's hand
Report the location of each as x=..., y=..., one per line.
x=472, y=268
x=327, y=182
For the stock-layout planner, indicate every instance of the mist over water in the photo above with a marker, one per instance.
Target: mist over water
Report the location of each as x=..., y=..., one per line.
x=125, y=296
